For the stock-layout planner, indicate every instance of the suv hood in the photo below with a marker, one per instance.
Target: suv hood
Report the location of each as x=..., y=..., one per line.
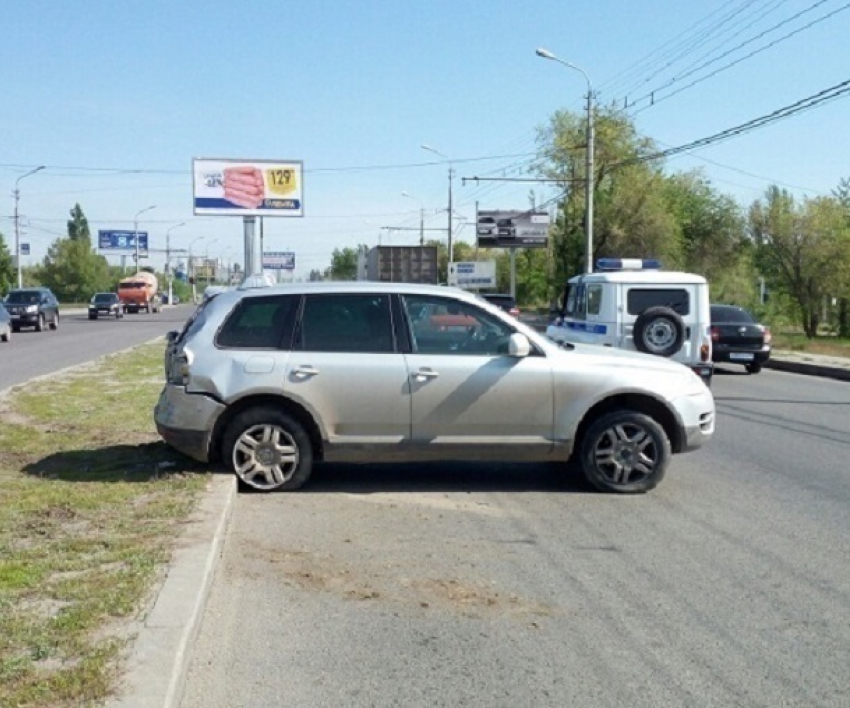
x=591, y=354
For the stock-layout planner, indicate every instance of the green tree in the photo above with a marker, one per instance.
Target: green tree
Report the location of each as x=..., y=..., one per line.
x=631, y=214
x=344, y=263
x=713, y=237
x=72, y=269
x=7, y=272
x=802, y=249
x=78, y=225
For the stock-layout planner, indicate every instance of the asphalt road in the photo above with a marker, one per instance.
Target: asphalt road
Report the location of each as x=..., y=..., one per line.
x=512, y=585
x=78, y=340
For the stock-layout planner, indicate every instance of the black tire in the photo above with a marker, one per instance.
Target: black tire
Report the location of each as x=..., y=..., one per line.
x=8, y=336
x=39, y=325
x=281, y=441
x=659, y=331
x=16, y=328
x=754, y=367
x=54, y=325
x=625, y=452
x=93, y=317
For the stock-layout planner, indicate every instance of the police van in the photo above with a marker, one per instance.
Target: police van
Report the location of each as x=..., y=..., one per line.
x=634, y=304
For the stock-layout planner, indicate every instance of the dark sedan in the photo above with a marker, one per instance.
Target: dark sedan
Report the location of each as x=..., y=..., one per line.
x=738, y=338
x=105, y=304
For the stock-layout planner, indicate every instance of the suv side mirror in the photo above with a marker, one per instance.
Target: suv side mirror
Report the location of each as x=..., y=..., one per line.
x=171, y=336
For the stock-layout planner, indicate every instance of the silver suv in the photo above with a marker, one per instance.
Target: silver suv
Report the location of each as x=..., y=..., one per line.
x=270, y=380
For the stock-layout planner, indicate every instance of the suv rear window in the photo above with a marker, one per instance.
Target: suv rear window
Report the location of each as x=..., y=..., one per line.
x=258, y=322
x=639, y=299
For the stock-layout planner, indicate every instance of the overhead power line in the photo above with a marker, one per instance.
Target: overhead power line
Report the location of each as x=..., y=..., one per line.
x=651, y=95
x=803, y=104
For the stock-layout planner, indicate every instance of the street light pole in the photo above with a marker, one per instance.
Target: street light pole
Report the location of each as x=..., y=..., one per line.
x=168, y=260
x=451, y=174
x=17, y=194
x=136, y=230
x=589, y=186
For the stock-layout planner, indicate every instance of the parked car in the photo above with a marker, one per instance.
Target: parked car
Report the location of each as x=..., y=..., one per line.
x=505, y=302
x=737, y=337
x=5, y=325
x=32, y=307
x=108, y=304
x=270, y=380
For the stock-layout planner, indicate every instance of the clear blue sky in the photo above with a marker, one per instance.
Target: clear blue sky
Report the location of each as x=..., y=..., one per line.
x=116, y=98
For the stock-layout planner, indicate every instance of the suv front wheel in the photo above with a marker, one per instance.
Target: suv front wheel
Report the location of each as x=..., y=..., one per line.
x=268, y=450
x=626, y=452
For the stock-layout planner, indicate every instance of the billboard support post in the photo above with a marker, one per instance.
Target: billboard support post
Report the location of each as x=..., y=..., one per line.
x=513, y=273
x=251, y=265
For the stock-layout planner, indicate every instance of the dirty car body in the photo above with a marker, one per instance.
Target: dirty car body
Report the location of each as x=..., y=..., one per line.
x=269, y=380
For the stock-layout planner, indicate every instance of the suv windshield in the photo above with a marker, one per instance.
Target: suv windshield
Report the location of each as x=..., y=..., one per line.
x=105, y=297
x=23, y=297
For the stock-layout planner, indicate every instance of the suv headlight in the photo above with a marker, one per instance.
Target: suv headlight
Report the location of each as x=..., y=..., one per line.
x=32, y=309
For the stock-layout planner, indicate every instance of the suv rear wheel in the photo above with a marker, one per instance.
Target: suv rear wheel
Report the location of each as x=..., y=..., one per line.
x=626, y=452
x=659, y=331
x=268, y=450
x=55, y=323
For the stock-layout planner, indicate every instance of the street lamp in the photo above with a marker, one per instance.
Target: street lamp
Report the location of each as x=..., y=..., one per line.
x=168, y=259
x=17, y=194
x=136, y=230
x=421, y=217
x=588, y=197
x=451, y=173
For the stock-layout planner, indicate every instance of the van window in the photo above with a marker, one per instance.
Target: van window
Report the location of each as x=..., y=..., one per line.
x=677, y=299
x=594, y=299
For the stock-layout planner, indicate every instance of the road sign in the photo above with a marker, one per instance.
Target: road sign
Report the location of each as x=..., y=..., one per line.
x=123, y=242
x=278, y=260
x=25, y=249
x=473, y=275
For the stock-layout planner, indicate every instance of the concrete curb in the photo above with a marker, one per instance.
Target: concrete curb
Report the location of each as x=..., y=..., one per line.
x=156, y=662
x=808, y=369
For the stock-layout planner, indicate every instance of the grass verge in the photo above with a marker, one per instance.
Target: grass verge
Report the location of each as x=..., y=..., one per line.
x=825, y=345
x=90, y=504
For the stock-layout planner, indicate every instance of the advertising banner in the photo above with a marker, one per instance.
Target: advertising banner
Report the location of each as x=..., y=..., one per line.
x=123, y=242
x=512, y=229
x=473, y=275
x=248, y=187
x=278, y=260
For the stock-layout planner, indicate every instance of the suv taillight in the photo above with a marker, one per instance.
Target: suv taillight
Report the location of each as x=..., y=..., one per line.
x=715, y=334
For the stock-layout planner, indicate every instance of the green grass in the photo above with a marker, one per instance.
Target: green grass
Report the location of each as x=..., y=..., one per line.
x=823, y=344
x=88, y=517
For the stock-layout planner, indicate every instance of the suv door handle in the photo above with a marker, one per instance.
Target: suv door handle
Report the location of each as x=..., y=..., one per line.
x=305, y=371
x=424, y=375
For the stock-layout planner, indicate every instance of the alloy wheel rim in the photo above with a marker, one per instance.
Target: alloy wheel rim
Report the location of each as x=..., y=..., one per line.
x=660, y=335
x=265, y=456
x=625, y=453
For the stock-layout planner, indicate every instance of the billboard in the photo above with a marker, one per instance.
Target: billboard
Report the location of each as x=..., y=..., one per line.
x=123, y=242
x=473, y=275
x=278, y=260
x=512, y=229
x=248, y=187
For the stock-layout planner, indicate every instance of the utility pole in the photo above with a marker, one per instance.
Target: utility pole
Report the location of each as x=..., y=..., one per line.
x=17, y=194
x=136, y=231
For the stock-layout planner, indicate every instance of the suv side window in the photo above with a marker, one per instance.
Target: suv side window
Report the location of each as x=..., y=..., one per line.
x=441, y=326
x=639, y=299
x=258, y=323
x=346, y=323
